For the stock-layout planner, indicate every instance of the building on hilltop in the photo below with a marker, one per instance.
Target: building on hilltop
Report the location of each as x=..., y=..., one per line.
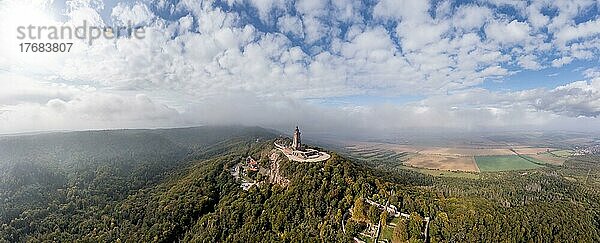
x=297, y=143
x=296, y=152
x=251, y=164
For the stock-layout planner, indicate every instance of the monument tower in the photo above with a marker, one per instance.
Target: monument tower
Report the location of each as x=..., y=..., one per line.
x=296, y=143
x=297, y=153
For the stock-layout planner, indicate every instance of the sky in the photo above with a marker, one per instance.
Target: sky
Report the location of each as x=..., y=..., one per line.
x=337, y=65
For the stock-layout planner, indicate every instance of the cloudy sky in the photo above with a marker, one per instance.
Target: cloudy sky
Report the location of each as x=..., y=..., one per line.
x=339, y=64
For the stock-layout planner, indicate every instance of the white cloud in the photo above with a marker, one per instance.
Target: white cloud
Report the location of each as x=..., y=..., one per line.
x=311, y=7
x=529, y=62
x=136, y=15
x=535, y=17
x=369, y=44
x=213, y=66
x=183, y=25
x=314, y=29
x=42, y=106
x=85, y=11
x=406, y=10
x=265, y=6
x=17, y=89
x=567, y=11
x=583, y=30
x=512, y=32
x=559, y=62
x=517, y=4
x=415, y=37
x=347, y=10
x=592, y=72
x=577, y=99
x=471, y=16
x=290, y=24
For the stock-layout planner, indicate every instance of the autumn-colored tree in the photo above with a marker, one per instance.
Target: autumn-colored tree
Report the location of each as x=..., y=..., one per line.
x=415, y=223
x=400, y=231
x=358, y=211
x=384, y=218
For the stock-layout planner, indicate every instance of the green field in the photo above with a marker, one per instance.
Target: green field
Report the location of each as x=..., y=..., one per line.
x=503, y=162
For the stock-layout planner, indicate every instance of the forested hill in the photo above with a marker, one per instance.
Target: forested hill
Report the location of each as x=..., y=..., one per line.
x=177, y=186
x=57, y=157
x=49, y=179
x=171, y=185
x=70, y=147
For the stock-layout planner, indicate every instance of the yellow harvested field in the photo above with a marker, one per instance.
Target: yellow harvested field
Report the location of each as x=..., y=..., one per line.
x=384, y=146
x=531, y=150
x=455, y=151
x=443, y=162
x=548, y=158
x=466, y=151
x=452, y=158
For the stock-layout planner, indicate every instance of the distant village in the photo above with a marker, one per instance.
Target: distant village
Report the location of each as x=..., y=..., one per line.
x=594, y=149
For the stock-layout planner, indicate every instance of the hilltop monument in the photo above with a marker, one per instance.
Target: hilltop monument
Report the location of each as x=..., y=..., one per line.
x=296, y=143
x=296, y=152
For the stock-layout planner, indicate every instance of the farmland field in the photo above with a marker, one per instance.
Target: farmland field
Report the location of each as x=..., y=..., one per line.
x=442, y=173
x=464, y=151
x=466, y=158
x=376, y=153
x=530, y=150
x=562, y=153
x=548, y=158
x=444, y=162
x=503, y=162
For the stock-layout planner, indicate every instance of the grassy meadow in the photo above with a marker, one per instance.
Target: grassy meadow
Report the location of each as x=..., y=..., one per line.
x=503, y=163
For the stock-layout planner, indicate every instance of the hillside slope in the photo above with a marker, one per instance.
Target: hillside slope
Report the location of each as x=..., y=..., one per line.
x=48, y=181
x=193, y=197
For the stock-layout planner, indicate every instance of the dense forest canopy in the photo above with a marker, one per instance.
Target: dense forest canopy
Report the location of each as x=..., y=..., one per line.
x=175, y=185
